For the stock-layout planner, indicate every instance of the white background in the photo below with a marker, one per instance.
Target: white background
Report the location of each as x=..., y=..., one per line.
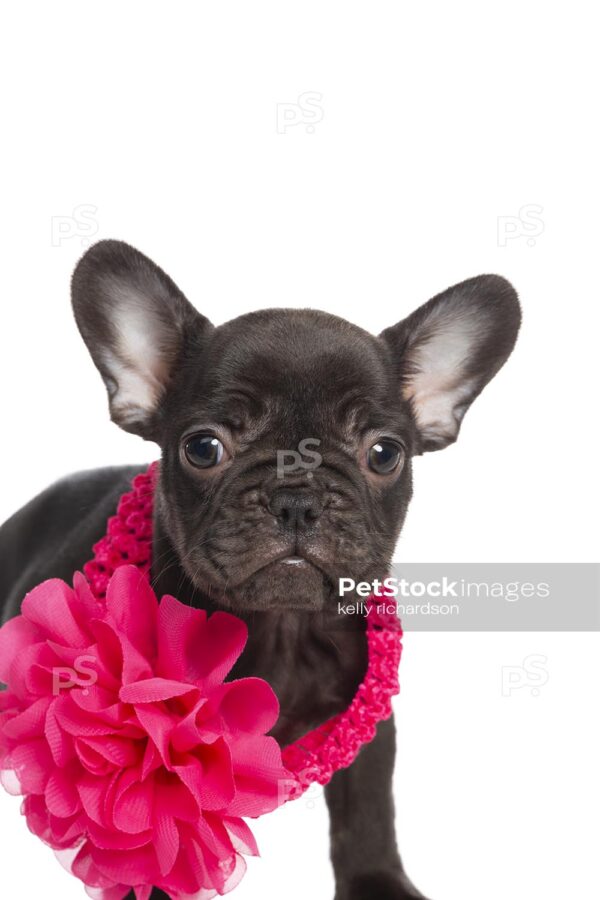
x=159, y=121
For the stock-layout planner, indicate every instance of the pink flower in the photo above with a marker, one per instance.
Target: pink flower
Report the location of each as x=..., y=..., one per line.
x=118, y=728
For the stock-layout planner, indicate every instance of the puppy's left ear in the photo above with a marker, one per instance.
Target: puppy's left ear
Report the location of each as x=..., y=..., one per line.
x=447, y=351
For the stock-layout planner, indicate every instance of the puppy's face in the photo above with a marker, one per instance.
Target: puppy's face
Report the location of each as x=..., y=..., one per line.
x=286, y=435
x=286, y=459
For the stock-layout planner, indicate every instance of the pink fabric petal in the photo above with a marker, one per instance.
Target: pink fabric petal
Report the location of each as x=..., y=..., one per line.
x=133, y=809
x=143, y=893
x=136, y=666
x=78, y=722
x=105, y=708
x=119, y=752
x=31, y=673
x=186, y=734
x=249, y=705
x=133, y=607
x=92, y=793
x=61, y=794
x=108, y=839
x=208, y=647
x=66, y=832
x=236, y=874
x=226, y=867
x=241, y=837
x=159, y=724
x=60, y=743
x=172, y=795
x=138, y=866
x=65, y=654
x=85, y=606
x=204, y=835
x=32, y=764
x=36, y=813
x=211, y=783
x=30, y=723
x=222, y=843
x=17, y=635
x=223, y=641
x=260, y=778
x=84, y=867
x=49, y=607
x=153, y=689
x=110, y=654
x=166, y=841
x=93, y=761
x=151, y=761
x=190, y=874
x=217, y=788
x=179, y=627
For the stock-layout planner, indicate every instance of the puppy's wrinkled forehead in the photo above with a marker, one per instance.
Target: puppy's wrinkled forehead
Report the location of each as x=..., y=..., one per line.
x=298, y=371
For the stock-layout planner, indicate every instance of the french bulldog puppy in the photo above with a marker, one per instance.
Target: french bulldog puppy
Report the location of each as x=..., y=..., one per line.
x=237, y=529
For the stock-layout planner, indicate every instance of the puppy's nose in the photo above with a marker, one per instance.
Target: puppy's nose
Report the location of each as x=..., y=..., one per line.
x=296, y=509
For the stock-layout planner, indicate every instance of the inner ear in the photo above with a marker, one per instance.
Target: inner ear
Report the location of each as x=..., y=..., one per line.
x=136, y=323
x=447, y=351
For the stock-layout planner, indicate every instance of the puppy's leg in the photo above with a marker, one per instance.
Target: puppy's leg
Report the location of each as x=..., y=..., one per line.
x=365, y=857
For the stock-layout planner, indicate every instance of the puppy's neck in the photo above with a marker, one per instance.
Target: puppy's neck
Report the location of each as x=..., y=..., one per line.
x=313, y=666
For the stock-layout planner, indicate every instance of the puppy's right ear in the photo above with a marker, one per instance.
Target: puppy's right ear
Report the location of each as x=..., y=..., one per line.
x=136, y=324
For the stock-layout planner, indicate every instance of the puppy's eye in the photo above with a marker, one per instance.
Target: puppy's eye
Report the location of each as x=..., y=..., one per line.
x=204, y=451
x=385, y=457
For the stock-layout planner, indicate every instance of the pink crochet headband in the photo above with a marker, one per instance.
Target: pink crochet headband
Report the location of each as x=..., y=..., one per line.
x=138, y=761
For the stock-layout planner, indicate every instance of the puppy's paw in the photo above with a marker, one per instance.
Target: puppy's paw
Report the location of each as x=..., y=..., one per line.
x=382, y=886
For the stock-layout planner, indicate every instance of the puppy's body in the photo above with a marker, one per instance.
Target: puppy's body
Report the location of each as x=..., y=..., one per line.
x=236, y=529
x=52, y=536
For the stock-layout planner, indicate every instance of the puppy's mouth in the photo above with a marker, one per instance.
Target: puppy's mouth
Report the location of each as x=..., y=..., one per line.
x=294, y=566
x=287, y=581
x=291, y=560
x=294, y=561
x=298, y=561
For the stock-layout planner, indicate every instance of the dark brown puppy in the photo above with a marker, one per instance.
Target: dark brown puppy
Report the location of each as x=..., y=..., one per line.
x=286, y=439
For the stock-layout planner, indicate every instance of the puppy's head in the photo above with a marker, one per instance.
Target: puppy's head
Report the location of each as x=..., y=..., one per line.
x=286, y=435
